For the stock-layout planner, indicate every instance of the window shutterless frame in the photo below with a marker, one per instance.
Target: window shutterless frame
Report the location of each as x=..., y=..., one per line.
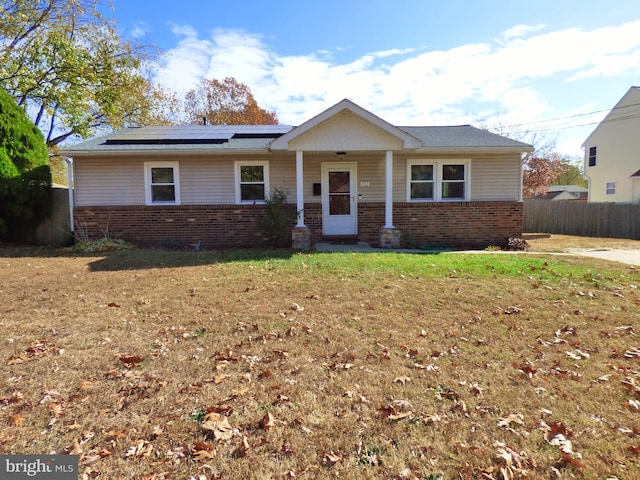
x=592, y=157
x=431, y=180
x=251, y=181
x=610, y=188
x=162, y=183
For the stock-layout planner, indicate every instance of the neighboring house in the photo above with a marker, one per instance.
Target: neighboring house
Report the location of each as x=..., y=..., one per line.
x=566, y=192
x=350, y=174
x=612, y=153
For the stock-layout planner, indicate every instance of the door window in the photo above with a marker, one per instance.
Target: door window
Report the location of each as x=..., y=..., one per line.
x=339, y=193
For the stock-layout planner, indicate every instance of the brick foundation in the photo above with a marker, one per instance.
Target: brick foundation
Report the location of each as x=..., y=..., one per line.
x=455, y=224
x=214, y=226
x=458, y=224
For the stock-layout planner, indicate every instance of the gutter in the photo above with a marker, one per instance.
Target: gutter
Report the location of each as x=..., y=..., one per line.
x=472, y=150
x=134, y=153
x=584, y=175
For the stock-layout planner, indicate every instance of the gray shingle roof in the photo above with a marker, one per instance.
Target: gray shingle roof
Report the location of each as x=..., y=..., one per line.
x=229, y=138
x=224, y=138
x=464, y=136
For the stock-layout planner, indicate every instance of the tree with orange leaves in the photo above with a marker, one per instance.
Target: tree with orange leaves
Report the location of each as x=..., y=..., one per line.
x=225, y=102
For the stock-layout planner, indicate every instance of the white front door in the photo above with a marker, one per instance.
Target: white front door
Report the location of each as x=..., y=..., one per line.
x=339, y=207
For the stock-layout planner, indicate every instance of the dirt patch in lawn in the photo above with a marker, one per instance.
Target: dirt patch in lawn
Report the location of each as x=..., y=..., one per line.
x=211, y=365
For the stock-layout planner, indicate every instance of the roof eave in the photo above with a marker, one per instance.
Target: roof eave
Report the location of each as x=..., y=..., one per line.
x=164, y=152
x=471, y=150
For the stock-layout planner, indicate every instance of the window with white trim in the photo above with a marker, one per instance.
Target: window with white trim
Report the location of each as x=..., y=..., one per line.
x=593, y=156
x=162, y=183
x=421, y=181
x=252, y=181
x=610, y=188
x=429, y=180
x=453, y=181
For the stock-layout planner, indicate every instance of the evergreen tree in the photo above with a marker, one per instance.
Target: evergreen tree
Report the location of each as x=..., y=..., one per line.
x=25, y=177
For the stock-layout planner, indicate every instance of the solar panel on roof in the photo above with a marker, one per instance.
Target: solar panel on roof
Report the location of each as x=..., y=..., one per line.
x=188, y=134
x=172, y=135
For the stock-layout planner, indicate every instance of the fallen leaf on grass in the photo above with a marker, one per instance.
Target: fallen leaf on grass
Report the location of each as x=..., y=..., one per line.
x=220, y=429
x=56, y=409
x=569, y=459
x=400, y=416
x=330, y=458
x=16, y=359
x=402, y=380
x=141, y=449
x=267, y=421
x=431, y=419
x=16, y=419
x=634, y=450
x=428, y=368
x=634, y=404
x=131, y=359
x=516, y=418
x=578, y=355
x=203, y=452
x=221, y=378
x=632, y=353
x=76, y=449
x=526, y=368
x=95, y=455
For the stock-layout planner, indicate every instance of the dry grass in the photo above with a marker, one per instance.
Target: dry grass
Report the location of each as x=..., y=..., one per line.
x=562, y=243
x=232, y=365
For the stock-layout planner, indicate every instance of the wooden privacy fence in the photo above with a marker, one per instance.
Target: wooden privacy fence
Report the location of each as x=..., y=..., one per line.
x=56, y=229
x=582, y=219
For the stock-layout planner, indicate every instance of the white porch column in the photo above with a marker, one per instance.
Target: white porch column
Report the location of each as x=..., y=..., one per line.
x=388, y=197
x=299, y=189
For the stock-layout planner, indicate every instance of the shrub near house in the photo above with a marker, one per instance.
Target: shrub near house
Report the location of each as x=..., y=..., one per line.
x=25, y=178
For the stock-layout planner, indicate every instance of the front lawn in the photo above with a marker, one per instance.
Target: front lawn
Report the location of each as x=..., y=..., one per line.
x=257, y=364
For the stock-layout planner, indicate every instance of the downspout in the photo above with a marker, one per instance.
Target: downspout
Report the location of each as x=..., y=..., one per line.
x=522, y=157
x=584, y=175
x=71, y=188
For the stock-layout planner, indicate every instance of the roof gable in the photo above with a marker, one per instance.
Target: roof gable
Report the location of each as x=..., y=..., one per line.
x=623, y=110
x=346, y=126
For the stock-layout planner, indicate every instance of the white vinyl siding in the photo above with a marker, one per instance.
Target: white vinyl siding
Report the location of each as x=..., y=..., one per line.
x=206, y=180
x=496, y=178
x=491, y=178
x=203, y=180
x=113, y=181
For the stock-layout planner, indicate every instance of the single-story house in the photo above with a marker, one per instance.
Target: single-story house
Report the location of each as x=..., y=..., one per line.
x=350, y=175
x=566, y=192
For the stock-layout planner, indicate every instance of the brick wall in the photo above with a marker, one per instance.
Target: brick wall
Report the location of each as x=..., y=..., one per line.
x=456, y=224
x=184, y=225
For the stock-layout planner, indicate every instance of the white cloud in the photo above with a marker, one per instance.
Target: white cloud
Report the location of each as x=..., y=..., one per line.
x=185, y=65
x=409, y=86
x=139, y=30
x=521, y=31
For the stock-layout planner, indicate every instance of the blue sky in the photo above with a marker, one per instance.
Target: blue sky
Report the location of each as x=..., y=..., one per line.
x=529, y=66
